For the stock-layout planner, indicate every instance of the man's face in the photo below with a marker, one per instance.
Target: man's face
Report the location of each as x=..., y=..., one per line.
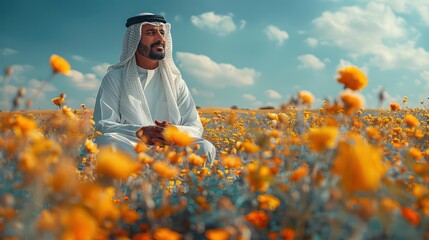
x=152, y=42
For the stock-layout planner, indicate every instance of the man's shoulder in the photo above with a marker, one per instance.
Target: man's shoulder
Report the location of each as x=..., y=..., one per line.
x=113, y=75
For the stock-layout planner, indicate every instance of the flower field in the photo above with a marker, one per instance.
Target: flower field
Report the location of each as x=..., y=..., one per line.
x=335, y=172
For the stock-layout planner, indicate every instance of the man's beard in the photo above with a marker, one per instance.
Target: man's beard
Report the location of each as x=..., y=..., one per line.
x=148, y=51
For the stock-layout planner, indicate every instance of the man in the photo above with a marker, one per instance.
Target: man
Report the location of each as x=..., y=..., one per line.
x=144, y=93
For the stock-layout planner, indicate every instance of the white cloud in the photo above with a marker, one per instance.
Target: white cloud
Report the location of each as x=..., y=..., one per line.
x=273, y=94
x=276, y=34
x=421, y=7
x=373, y=31
x=84, y=81
x=242, y=24
x=220, y=24
x=310, y=61
x=202, y=93
x=215, y=74
x=425, y=75
x=7, y=51
x=178, y=18
x=249, y=97
x=78, y=58
x=312, y=42
x=101, y=69
x=18, y=69
x=36, y=89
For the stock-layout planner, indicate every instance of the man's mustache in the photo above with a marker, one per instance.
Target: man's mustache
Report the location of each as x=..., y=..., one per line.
x=159, y=42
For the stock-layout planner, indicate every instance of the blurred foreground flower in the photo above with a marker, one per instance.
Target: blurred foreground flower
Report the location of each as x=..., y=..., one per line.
x=352, y=101
x=353, y=78
x=59, y=65
x=359, y=165
x=173, y=135
x=306, y=97
x=115, y=163
x=322, y=138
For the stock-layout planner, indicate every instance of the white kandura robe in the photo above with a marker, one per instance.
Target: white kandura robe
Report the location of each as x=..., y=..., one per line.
x=107, y=112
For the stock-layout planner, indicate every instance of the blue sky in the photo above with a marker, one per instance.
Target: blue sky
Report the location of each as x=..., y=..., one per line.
x=245, y=53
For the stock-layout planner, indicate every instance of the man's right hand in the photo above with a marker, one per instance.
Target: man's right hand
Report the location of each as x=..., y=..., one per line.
x=152, y=135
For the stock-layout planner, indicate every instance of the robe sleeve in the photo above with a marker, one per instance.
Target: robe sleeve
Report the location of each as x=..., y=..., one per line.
x=106, y=109
x=190, y=120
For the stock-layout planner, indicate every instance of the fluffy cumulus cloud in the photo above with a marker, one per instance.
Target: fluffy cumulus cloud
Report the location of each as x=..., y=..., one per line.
x=213, y=74
x=312, y=42
x=276, y=34
x=374, y=31
x=272, y=94
x=311, y=62
x=202, y=93
x=101, y=69
x=421, y=7
x=220, y=24
x=86, y=81
x=249, y=97
x=7, y=51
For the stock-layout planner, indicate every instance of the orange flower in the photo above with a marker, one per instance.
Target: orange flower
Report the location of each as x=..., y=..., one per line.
x=352, y=101
x=78, y=224
x=259, y=176
x=24, y=126
x=90, y=146
x=116, y=163
x=288, y=234
x=411, y=215
x=128, y=215
x=196, y=160
x=389, y=205
x=322, y=138
x=268, y=202
x=217, y=234
x=249, y=147
x=299, y=173
x=258, y=218
x=59, y=65
x=359, y=165
x=59, y=101
x=46, y=221
x=352, y=78
x=232, y=161
x=394, y=106
x=272, y=116
x=164, y=170
x=415, y=153
x=411, y=120
x=166, y=234
x=306, y=97
x=173, y=135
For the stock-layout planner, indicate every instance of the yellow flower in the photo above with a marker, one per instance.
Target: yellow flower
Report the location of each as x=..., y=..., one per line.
x=59, y=65
x=306, y=97
x=173, y=135
x=411, y=120
x=249, y=147
x=359, y=165
x=268, y=202
x=217, y=234
x=115, y=163
x=46, y=221
x=272, y=116
x=59, y=101
x=352, y=101
x=166, y=234
x=164, y=170
x=389, y=205
x=322, y=138
x=353, y=78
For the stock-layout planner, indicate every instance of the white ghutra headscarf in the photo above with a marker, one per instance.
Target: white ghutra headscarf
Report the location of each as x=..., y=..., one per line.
x=133, y=106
